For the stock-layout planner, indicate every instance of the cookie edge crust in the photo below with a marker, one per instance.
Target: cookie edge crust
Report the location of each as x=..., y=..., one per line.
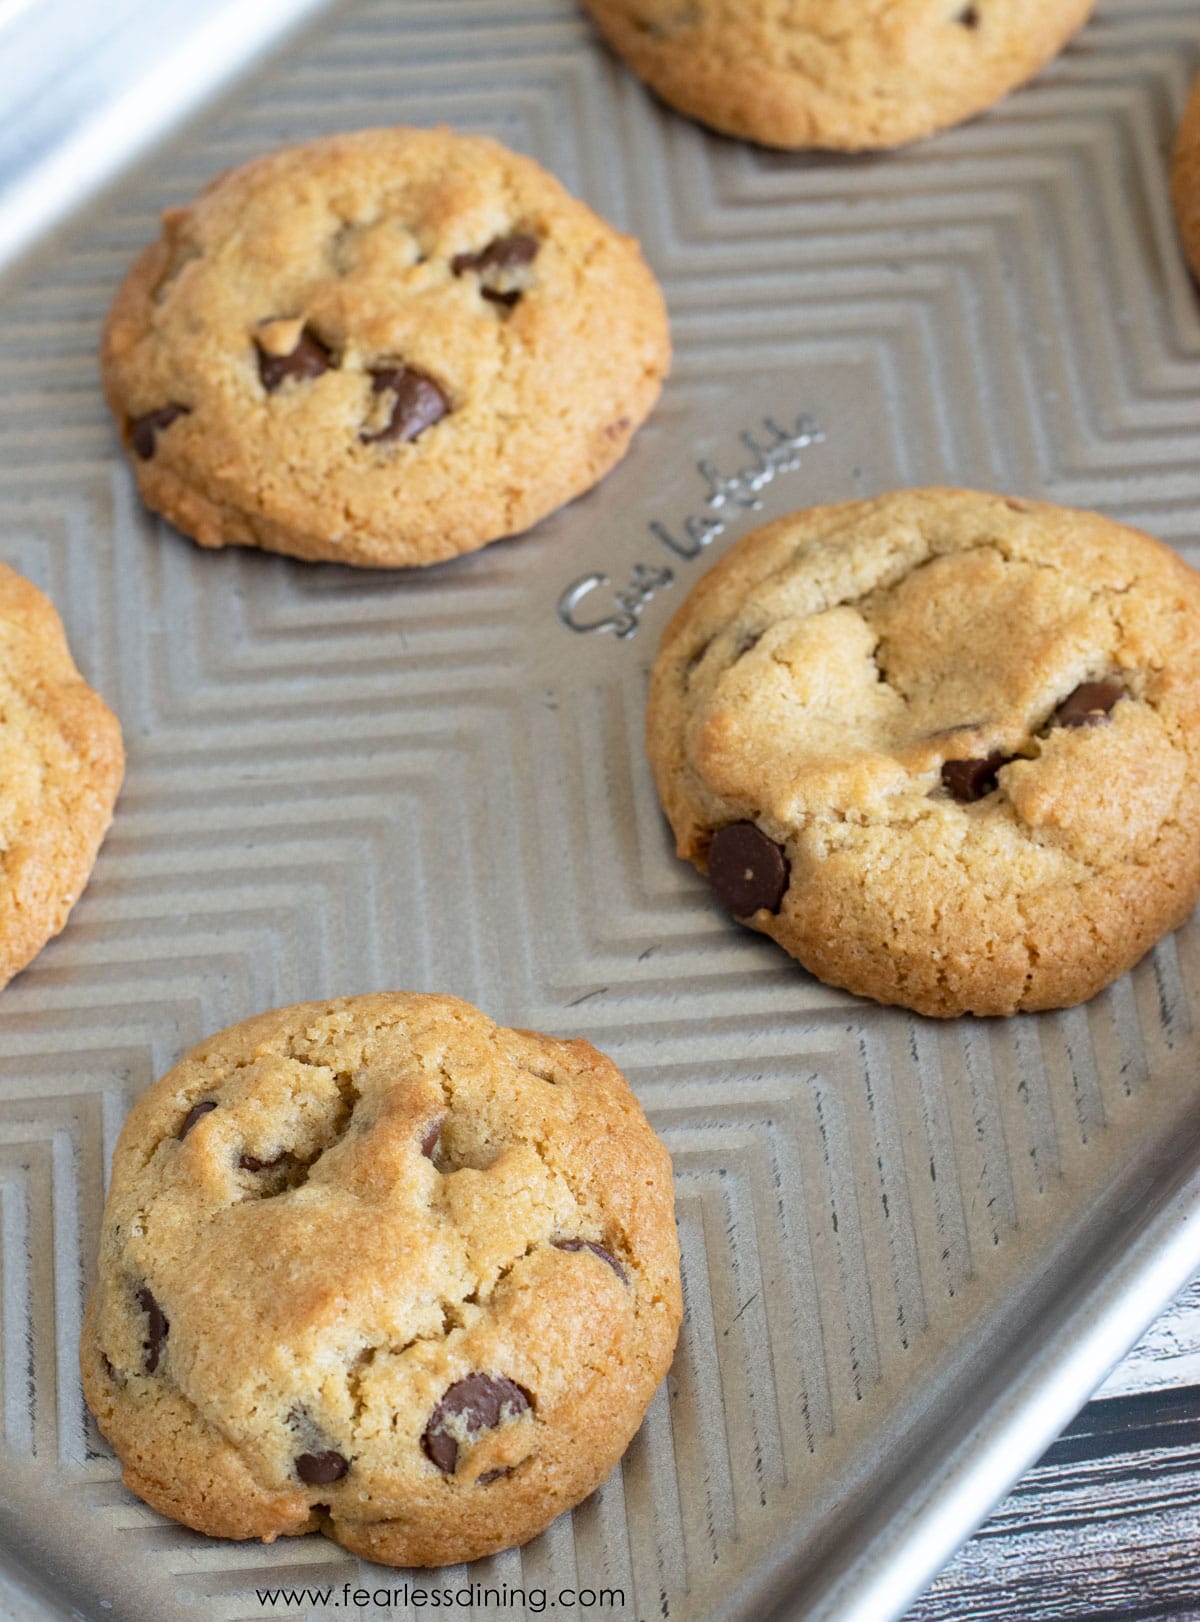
x=216, y=520
x=48, y=870
x=223, y=1501
x=1185, y=178
x=779, y=109
x=1148, y=905
x=391, y=1541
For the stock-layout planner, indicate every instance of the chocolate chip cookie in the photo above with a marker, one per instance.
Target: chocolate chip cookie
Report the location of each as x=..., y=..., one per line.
x=380, y=1268
x=848, y=74
x=943, y=747
x=61, y=764
x=1185, y=178
x=386, y=348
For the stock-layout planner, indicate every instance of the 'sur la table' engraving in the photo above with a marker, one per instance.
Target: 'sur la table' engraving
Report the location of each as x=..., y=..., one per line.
x=775, y=450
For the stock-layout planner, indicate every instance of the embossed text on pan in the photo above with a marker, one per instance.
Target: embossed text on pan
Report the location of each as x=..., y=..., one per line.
x=780, y=453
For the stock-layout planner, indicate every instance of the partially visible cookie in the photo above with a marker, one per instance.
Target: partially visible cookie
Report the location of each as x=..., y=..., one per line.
x=381, y=1268
x=386, y=347
x=849, y=74
x=1185, y=178
x=61, y=764
x=943, y=747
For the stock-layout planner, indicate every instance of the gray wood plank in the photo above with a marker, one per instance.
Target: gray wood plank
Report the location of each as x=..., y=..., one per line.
x=1168, y=1354
x=1107, y=1524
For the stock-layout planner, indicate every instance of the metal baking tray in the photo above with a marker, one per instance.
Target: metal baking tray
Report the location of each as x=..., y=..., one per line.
x=911, y=1249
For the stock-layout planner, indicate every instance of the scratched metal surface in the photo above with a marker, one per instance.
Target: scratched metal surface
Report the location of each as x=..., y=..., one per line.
x=910, y=1249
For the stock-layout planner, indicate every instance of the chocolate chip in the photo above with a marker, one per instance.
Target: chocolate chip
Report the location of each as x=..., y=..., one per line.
x=970, y=780
x=747, y=870
x=193, y=1115
x=596, y=1250
x=489, y=1476
x=695, y=658
x=249, y=1163
x=419, y=403
x=156, y=1329
x=969, y=17
x=429, y=1141
x=440, y=1449
x=1088, y=705
x=319, y=1469
x=143, y=431
x=505, y=253
x=498, y=260
x=309, y=359
x=481, y=1401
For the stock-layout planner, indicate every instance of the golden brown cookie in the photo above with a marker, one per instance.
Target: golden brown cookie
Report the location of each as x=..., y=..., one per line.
x=848, y=74
x=386, y=347
x=61, y=764
x=1185, y=178
x=943, y=747
x=380, y=1268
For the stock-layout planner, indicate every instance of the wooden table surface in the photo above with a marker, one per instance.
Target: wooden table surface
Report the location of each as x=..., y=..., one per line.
x=1107, y=1525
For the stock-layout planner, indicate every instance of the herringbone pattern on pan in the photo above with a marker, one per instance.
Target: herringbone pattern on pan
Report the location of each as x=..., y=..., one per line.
x=343, y=781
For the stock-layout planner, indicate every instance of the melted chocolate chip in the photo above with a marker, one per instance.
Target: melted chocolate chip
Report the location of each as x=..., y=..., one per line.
x=969, y=17
x=481, y=1401
x=144, y=431
x=505, y=253
x=429, y=1141
x=249, y=1163
x=509, y=300
x=419, y=403
x=970, y=780
x=596, y=1250
x=1088, y=705
x=747, y=870
x=319, y=1469
x=193, y=1115
x=156, y=1332
x=489, y=1476
x=309, y=359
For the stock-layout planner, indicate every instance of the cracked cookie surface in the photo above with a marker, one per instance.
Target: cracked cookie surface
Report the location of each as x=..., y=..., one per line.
x=381, y=1268
x=1185, y=178
x=848, y=74
x=61, y=764
x=943, y=747
x=382, y=348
